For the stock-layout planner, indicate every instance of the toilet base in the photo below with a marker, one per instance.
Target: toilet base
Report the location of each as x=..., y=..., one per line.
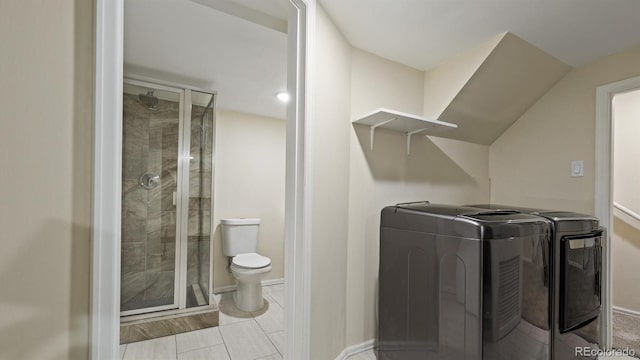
x=248, y=297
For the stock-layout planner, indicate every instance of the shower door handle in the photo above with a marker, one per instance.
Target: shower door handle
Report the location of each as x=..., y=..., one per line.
x=175, y=198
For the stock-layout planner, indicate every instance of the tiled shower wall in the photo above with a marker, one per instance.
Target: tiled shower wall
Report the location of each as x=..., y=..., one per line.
x=150, y=144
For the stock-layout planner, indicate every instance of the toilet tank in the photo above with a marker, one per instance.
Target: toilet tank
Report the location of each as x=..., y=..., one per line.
x=239, y=235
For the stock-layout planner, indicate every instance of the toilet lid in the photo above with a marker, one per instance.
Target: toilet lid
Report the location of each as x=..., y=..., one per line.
x=251, y=261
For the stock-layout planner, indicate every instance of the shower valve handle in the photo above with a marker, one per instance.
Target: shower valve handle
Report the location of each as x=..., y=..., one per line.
x=149, y=181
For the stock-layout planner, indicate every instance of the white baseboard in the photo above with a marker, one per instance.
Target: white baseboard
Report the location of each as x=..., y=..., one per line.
x=626, y=311
x=229, y=288
x=357, y=348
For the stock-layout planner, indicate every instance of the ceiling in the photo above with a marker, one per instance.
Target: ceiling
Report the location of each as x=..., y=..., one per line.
x=186, y=42
x=424, y=33
x=193, y=43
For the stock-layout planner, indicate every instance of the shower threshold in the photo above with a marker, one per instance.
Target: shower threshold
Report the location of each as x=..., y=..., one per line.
x=153, y=325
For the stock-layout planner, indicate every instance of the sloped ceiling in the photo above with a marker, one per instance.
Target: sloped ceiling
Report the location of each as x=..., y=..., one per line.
x=424, y=33
x=511, y=79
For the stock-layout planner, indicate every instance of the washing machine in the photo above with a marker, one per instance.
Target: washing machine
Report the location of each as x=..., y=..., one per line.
x=463, y=283
x=577, y=280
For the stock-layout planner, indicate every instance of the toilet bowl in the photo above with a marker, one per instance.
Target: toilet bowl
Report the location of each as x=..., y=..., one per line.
x=239, y=243
x=249, y=270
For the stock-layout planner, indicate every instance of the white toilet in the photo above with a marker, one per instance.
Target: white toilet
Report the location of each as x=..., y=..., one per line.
x=240, y=241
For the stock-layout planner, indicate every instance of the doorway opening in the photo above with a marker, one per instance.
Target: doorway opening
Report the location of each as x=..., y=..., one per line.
x=625, y=228
x=108, y=167
x=607, y=208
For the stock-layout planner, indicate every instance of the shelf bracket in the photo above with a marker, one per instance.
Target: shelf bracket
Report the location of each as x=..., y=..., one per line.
x=372, y=129
x=411, y=133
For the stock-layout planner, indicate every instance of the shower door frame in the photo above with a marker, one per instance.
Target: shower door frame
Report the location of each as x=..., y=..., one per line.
x=182, y=192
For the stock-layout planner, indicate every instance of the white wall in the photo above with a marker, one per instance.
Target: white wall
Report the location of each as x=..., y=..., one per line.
x=250, y=182
x=439, y=170
x=626, y=179
x=330, y=181
x=46, y=102
x=531, y=162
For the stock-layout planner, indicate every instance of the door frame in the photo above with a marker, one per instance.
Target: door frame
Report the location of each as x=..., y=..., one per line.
x=604, y=186
x=107, y=172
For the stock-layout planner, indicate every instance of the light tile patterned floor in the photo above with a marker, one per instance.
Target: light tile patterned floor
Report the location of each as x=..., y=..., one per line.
x=240, y=336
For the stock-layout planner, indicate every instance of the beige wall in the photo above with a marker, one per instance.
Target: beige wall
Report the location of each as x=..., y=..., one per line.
x=625, y=253
x=330, y=181
x=530, y=163
x=626, y=172
x=439, y=170
x=626, y=177
x=250, y=182
x=46, y=104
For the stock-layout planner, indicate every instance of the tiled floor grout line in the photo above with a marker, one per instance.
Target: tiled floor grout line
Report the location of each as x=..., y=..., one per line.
x=225, y=346
x=268, y=338
x=272, y=343
x=175, y=339
x=265, y=332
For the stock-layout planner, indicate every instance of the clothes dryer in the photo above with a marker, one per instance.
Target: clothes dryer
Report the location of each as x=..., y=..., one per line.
x=577, y=280
x=463, y=283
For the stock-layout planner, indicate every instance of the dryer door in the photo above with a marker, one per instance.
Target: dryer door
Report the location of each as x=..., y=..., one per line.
x=580, y=279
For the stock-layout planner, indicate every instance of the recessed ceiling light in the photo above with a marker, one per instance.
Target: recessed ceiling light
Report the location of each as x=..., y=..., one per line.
x=283, y=96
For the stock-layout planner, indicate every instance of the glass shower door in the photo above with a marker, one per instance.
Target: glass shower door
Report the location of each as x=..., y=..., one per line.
x=198, y=276
x=152, y=120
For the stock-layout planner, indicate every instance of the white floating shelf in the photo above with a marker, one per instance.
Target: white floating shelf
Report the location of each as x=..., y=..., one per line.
x=398, y=121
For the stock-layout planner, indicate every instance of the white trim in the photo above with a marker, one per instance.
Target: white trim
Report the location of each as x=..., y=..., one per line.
x=357, y=348
x=627, y=211
x=229, y=288
x=182, y=204
x=105, y=269
x=604, y=187
x=626, y=311
x=105, y=283
x=297, y=272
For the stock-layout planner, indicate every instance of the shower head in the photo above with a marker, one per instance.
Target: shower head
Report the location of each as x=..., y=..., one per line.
x=149, y=100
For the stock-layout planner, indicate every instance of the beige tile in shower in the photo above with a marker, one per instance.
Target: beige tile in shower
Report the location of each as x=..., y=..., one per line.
x=246, y=341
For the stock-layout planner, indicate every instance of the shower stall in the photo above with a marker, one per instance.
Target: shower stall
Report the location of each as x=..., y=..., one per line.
x=167, y=187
